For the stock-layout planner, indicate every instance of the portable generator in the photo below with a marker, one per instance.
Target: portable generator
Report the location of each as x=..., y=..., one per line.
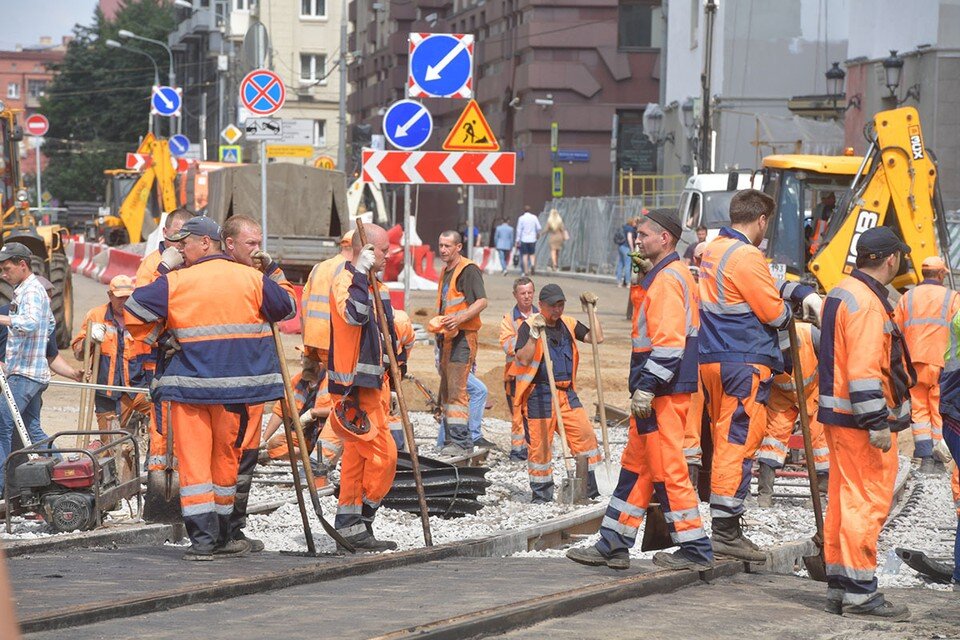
x=72, y=488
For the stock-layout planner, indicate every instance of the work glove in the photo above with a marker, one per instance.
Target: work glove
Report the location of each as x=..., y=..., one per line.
x=880, y=438
x=537, y=325
x=811, y=308
x=98, y=331
x=941, y=453
x=588, y=298
x=641, y=264
x=641, y=403
x=170, y=348
x=306, y=418
x=171, y=258
x=366, y=259
x=261, y=260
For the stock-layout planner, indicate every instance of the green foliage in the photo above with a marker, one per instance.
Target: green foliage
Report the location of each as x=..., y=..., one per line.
x=99, y=101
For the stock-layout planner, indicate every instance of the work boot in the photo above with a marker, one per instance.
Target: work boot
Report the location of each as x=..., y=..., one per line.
x=834, y=606
x=483, y=443
x=592, y=557
x=694, y=471
x=886, y=610
x=765, y=486
x=679, y=560
x=194, y=553
x=728, y=540
x=256, y=546
x=455, y=451
x=366, y=543
x=232, y=549
x=593, y=489
x=928, y=466
x=519, y=455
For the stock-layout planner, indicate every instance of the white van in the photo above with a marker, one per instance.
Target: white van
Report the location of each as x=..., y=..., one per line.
x=706, y=201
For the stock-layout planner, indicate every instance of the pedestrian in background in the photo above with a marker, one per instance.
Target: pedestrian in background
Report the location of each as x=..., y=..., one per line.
x=503, y=242
x=557, y=235
x=701, y=238
x=624, y=239
x=528, y=230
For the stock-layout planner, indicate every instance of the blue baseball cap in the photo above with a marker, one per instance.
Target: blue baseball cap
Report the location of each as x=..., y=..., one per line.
x=198, y=226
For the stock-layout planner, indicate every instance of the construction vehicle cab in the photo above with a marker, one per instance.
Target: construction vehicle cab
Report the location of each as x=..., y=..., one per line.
x=46, y=242
x=824, y=203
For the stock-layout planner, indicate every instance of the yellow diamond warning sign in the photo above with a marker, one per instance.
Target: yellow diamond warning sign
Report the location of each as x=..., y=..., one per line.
x=471, y=133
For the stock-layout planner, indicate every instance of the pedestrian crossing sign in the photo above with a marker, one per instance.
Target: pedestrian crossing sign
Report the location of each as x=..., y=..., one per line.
x=471, y=133
x=231, y=153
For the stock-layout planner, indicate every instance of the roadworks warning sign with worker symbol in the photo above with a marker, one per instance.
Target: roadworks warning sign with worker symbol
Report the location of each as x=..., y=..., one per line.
x=471, y=133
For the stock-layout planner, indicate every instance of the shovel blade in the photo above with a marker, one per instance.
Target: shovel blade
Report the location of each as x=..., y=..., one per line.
x=156, y=508
x=816, y=567
x=607, y=478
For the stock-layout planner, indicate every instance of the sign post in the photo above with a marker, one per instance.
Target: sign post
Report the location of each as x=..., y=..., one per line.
x=470, y=222
x=37, y=126
x=407, y=257
x=262, y=93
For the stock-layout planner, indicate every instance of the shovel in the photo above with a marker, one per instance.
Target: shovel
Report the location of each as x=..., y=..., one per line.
x=568, y=488
x=815, y=564
x=608, y=476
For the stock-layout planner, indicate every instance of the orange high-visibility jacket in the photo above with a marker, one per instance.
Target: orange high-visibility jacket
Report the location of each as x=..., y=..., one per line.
x=865, y=370
x=508, y=336
x=454, y=300
x=666, y=322
x=315, y=302
x=406, y=336
x=525, y=374
x=924, y=315
x=783, y=396
x=148, y=271
x=133, y=352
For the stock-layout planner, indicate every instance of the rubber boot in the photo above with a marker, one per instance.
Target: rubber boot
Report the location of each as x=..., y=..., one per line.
x=765, y=485
x=694, y=471
x=728, y=540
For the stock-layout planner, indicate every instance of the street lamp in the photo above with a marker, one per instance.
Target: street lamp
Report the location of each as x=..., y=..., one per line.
x=687, y=110
x=835, y=77
x=113, y=44
x=892, y=68
x=172, y=75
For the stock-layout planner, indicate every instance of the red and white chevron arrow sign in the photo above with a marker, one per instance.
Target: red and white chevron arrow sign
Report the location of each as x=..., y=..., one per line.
x=439, y=167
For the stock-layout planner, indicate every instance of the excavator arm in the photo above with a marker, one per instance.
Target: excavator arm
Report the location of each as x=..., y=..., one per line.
x=160, y=175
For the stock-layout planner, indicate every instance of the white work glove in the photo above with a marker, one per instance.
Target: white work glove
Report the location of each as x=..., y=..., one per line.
x=588, y=298
x=366, y=259
x=641, y=403
x=880, y=439
x=537, y=324
x=306, y=418
x=261, y=260
x=171, y=258
x=98, y=331
x=941, y=453
x=811, y=308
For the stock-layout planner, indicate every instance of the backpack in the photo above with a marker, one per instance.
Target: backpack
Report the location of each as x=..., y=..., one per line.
x=620, y=237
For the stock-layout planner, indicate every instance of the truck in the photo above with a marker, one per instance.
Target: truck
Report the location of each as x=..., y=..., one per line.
x=47, y=242
x=705, y=200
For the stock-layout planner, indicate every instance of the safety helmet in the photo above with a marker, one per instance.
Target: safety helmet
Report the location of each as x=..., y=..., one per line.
x=350, y=421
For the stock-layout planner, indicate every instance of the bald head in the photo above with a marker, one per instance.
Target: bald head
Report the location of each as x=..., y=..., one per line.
x=377, y=236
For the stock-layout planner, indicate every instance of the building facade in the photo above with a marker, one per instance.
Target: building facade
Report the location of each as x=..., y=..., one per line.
x=582, y=64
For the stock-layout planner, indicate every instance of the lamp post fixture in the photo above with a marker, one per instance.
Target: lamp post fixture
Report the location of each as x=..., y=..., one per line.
x=113, y=44
x=893, y=74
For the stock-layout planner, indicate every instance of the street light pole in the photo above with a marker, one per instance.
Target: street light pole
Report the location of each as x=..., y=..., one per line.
x=342, y=128
x=156, y=72
x=171, y=74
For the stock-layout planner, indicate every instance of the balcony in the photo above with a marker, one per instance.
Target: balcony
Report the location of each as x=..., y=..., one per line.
x=200, y=23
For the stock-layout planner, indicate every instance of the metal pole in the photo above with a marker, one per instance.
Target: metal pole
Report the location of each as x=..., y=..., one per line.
x=36, y=146
x=263, y=191
x=203, y=125
x=470, y=222
x=706, y=152
x=407, y=232
x=342, y=124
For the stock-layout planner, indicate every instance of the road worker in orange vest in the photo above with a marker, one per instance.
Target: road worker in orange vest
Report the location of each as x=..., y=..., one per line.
x=923, y=315
x=533, y=390
x=149, y=269
x=865, y=379
x=222, y=359
x=523, y=289
x=315, y=301
x=359, y=388
x=460, y=299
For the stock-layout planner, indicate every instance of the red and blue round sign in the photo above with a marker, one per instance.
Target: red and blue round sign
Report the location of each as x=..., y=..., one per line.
x=262, y=92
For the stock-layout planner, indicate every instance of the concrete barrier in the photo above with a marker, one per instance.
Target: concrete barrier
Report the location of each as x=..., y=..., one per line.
x=119, y=263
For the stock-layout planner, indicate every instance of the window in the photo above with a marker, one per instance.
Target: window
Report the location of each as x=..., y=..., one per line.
x=241, y=5
x=312, y=67
x=13, y=91
x=639, y=25
x=36, y=88
x=319, y=133
x=313, y=8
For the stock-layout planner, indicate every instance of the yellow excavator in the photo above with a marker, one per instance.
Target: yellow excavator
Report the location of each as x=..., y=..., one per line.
x=136, y=198
x=824, y=203
x=46, y=242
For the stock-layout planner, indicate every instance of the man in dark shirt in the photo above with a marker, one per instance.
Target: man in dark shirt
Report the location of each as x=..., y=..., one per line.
x=701, y=238
x=460, y=299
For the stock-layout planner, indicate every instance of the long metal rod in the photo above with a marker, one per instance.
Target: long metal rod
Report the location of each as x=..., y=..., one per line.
x=98, y=387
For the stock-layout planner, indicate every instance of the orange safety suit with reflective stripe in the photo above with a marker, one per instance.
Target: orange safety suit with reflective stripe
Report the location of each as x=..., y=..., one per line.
x=148, y=271
x=923, y=315
x=782, y=409
x=227, y=360
x=665, y=327
x=865, y=375
x=508, y=342
x=357, y=355
x=741, y=310
x=315, y=303
x=533, y=393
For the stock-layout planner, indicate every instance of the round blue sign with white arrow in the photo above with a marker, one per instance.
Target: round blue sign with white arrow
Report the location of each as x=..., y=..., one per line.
x=441, y=64
x=179, y=145
x=407, y=125
x=165, y=101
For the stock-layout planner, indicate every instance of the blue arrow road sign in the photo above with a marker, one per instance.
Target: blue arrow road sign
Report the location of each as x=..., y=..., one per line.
x=179, y=145
x=441, y=65
x=407, y=124
x=165, y=101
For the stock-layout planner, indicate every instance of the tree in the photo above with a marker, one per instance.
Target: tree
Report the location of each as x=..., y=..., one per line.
x=99, y=101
